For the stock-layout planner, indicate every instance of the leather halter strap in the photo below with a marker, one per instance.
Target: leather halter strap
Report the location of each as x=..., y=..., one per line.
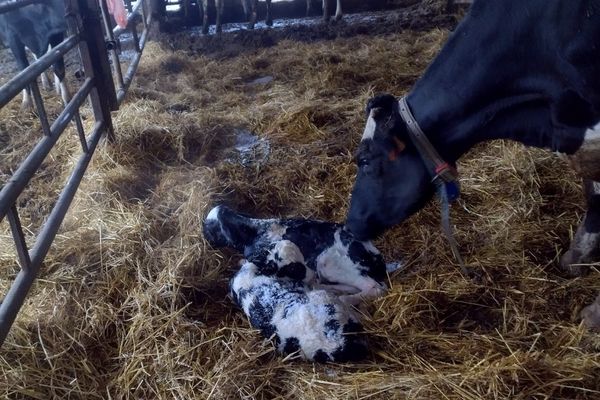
x=441, y=169
x=444, y=176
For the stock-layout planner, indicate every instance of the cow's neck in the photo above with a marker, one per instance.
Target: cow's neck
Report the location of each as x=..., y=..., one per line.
x=487, y=84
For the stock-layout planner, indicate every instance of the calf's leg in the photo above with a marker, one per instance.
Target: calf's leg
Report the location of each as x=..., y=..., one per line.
x=585, y=245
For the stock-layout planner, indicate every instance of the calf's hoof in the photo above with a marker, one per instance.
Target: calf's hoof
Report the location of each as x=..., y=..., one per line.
x=591, y=315
x=571, y=262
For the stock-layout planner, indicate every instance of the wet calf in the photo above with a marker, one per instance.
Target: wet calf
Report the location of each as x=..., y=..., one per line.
x=278, y=299
x=353, y=269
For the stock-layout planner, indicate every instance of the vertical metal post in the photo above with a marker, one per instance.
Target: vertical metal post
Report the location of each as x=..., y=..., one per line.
x=93, y=54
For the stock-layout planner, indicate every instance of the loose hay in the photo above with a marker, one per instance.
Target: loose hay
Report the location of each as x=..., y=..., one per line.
x=131, y=302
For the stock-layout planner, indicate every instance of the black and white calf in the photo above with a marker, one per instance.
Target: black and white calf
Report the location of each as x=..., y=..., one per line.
x=279, y=300
x=299, y=280
x=36, y=27
x=353, y=268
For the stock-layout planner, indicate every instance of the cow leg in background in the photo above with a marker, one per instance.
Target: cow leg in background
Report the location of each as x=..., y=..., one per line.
x=204, y=16
x=253, y=14
x=44, y=77
x=219, y=6
x=269, y=19
x=18, y=51
x=308, y=7
x=246, y=8
x=59, y=71
x=338, y=10
x=326, y=10
x=186, y=8
x=586, y=242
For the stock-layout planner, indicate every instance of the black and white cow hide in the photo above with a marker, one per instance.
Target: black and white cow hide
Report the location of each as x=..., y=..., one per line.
x=36, y=27
x=314, y=323
x=299, y=281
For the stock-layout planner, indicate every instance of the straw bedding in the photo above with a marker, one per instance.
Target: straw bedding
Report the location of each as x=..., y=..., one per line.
x=132, y=302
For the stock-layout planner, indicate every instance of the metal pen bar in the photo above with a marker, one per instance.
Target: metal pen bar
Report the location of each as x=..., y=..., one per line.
x=19, y=238
x=18, y=291
x=132, y=68
x=80, y=132
x=10, y=5
x=17, y=182
x=39, y=105
x=113, y=51
x=25, y=77
x=136, y=39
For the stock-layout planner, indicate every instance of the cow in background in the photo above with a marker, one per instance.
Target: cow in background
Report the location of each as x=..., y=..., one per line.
x=40, y=27
x=36, y=27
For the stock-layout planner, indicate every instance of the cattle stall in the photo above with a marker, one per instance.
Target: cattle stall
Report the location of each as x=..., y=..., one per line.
x=133, y=302
x=90, y=32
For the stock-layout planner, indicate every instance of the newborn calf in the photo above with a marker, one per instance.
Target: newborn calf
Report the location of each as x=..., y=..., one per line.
x=278, y=300
x=352, y=268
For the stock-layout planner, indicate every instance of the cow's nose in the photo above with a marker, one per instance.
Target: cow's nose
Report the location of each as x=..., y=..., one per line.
x=360, y=229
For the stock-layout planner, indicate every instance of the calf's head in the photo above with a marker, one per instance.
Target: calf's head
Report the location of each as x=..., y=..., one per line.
x=392, y=181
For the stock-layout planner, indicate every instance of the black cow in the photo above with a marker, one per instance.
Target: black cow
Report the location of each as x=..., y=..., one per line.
x=522, y=70
x=36, y=27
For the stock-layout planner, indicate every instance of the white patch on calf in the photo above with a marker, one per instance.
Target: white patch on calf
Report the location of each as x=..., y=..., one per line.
x=314, y=318
x=369, y=132
x=586, y=160
x=592, y=134
x=335, y=265
x=213, y=215
x=276, y=231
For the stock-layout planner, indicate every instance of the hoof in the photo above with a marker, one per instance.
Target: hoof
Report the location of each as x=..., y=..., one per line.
x=250, y=25
x=269, y=22
x=571, y=263
x=591, y=315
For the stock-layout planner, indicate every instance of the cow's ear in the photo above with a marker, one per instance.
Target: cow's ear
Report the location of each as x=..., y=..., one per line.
x=385, y=102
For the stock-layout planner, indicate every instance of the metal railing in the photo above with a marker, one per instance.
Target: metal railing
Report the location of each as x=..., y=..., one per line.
x=90, y=31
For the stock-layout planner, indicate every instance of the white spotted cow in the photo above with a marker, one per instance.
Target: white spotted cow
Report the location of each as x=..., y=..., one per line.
x=279, y=300
x=313, y=269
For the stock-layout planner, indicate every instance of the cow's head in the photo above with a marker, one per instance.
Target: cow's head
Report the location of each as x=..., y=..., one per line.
x=392, y=180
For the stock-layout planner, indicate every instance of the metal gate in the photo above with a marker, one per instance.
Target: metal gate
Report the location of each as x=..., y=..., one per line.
x=90, y=31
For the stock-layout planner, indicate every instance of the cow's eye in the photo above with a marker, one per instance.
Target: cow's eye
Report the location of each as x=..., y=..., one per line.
x=362, y=161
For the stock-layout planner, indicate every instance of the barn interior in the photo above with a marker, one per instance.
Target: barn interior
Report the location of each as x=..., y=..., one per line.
x=132, y=303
